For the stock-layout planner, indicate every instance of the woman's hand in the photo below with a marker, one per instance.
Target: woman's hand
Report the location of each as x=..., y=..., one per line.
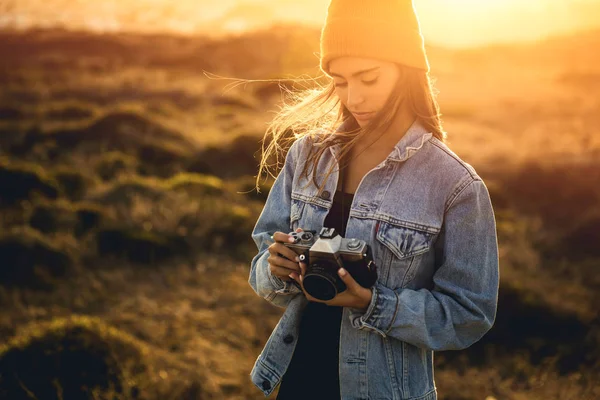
x=282, y=261
x=355, y=296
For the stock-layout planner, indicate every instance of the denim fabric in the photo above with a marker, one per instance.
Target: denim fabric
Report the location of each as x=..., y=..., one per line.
x=428, y=218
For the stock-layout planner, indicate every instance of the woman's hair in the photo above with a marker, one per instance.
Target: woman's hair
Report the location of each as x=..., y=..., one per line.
x=318, y=112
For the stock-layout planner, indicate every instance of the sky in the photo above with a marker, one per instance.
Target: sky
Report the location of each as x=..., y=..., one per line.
x=451, y=23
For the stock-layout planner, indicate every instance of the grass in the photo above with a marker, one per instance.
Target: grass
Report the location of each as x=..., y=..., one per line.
x=109, y=165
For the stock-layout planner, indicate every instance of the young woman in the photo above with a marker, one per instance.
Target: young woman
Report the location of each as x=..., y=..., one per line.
x=368, y=158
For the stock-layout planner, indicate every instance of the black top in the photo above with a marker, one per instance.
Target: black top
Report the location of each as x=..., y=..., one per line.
x=313, y=372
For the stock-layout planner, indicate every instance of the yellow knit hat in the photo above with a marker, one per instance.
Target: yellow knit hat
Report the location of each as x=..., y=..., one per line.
x=382, y=29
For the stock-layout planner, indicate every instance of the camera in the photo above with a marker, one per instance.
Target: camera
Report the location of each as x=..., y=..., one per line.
x=324, y=254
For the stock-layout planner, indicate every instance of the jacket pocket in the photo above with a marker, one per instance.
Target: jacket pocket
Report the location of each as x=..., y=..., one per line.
x=401, y=248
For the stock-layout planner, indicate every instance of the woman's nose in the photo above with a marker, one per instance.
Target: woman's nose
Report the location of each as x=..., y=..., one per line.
x=354, y=98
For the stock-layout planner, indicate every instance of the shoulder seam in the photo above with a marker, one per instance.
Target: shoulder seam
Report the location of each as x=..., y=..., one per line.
x=459, y=191
x=434, y=141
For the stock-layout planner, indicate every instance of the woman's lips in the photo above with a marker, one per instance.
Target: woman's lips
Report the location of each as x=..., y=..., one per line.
x=363, y=116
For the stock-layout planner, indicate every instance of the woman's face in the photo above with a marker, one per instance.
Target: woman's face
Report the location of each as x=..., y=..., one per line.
x=363, y=85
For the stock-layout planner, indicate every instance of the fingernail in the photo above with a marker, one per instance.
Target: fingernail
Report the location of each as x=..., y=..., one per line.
x=297, y=259
x=291, y=276
x=342, y=272
x=291, y=239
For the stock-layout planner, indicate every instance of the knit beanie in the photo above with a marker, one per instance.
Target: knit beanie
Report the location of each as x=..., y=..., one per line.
x=386, y=30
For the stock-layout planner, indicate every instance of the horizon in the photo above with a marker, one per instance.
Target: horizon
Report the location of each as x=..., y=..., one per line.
x=460, y=24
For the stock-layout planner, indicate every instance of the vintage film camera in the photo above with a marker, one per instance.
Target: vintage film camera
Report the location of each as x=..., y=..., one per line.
x=327, y=252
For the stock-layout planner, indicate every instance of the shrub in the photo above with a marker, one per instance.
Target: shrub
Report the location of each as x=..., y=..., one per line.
x=63, y=216
x=140, y=246
x=160, y=159
x=69, y=113
x=71, y=358
x=90, y=216
x=114, y=163
x=196, y=184
x=126, y=189
x=22, y=181
x=74, y=184
x=238, y=158
x=52, y=217
x=28, y=258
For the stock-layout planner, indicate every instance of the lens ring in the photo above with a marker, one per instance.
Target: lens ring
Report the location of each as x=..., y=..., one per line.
x=319, y=286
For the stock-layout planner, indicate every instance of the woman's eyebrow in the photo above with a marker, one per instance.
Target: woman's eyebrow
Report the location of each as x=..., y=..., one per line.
x=364, y=71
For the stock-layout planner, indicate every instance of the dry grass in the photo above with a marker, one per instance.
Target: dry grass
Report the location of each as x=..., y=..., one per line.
x=153, y=155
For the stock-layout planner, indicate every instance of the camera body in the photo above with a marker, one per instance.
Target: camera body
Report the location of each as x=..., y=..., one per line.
x=327, y=252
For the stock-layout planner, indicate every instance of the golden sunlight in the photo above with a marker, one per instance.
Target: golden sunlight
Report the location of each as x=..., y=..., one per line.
x=454, y=23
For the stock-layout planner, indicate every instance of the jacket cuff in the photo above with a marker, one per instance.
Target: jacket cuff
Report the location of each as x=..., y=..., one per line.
x=283, y=287
x=380, y=313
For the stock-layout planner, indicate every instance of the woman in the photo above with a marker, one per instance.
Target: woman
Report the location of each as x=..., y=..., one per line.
x=369, y=159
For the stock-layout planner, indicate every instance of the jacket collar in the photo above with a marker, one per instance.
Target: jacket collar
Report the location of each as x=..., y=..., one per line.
x=413, y=140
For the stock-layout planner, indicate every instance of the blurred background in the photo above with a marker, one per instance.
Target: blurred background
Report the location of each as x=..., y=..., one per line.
x=126, y=201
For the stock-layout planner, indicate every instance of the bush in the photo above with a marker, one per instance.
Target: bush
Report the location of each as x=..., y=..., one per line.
x=161, y=159
x=30, y=259
x=69, y=113
x=22, y=181
x=196, y=184
x=238, y=158
x=140, y=246
x=63, y=216
x=74, y=184
x=90, y=216
x=71, y=358
x=53, y=217
x=125, y=190
x=114, y=163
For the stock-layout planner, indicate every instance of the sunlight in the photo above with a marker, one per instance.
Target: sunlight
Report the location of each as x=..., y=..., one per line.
x=453, y=23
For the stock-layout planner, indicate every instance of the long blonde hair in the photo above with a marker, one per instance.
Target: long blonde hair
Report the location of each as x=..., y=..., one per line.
x=318, y=113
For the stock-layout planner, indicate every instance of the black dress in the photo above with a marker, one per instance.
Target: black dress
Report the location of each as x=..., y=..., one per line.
x=313, y=372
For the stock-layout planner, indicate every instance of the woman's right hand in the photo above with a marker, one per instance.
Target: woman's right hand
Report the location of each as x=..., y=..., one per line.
x=283, y=260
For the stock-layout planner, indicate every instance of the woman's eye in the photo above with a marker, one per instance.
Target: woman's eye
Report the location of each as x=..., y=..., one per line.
x=371, y=82
x=339, y=84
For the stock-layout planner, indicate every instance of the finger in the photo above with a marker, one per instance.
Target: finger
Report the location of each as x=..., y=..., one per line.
x=351, y=284
x=280, y=250
x=281, y=272
x=282, y=237
x=283, y=262
x=302, y=270
x=298, y=278
x=295, y=276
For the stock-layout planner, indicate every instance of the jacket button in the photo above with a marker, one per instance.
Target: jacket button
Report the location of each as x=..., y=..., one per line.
x=288, y=339
x=325, y=195
x=266, y=385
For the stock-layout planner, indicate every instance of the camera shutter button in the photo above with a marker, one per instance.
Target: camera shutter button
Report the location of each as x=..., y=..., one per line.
x=353, y=244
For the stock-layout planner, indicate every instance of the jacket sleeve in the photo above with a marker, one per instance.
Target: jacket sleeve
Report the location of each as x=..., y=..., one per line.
x=461, y=306
x=274, y=217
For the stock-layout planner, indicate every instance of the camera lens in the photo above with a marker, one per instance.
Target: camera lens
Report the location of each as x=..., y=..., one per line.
x=320, y=281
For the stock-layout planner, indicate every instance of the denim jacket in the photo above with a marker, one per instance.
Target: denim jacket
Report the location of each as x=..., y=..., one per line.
x=428, y=219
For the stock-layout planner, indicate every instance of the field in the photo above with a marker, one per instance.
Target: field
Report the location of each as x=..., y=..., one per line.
x=126, y=206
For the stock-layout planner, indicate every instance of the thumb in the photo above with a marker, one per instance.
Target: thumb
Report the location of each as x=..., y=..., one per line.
x=351, y=284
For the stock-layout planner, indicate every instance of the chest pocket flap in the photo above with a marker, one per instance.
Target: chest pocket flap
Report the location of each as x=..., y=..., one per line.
x=404, y=241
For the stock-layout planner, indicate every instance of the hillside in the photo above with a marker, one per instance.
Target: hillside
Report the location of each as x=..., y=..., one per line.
x=126, y=207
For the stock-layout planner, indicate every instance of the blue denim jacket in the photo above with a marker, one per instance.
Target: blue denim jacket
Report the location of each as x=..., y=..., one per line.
x=429, y=221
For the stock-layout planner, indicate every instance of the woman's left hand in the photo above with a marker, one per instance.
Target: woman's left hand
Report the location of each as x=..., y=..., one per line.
x=355, y=296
